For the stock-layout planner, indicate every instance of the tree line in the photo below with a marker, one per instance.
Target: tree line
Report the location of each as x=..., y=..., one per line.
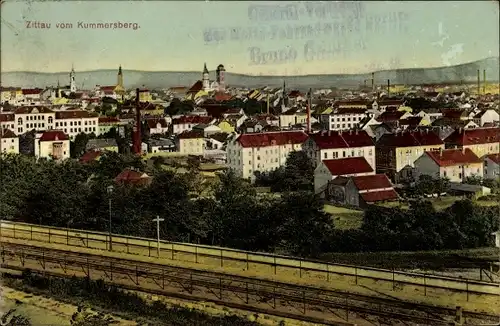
x=225, y=211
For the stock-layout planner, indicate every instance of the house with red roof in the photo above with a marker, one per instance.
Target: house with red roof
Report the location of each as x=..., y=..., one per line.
x=90, y=156
x=131, y=176
x=482, y=141
x=343, y=118
x=263, y=152
x=326, y=145
x=454, y=164
x=397, y=152
x=361, y=191
x=187, y=122
x=492, y=166
x=9, y=142
x=31, y=94
x=53, y=144
x=157, y=126
x=328, y=170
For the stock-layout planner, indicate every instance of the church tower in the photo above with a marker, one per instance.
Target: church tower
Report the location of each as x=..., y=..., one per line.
x=120, y=77
x=72, y=83
x=205, y=79
x=220, y=77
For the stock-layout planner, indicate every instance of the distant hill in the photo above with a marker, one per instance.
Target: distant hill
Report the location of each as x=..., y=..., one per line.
x=163, y=79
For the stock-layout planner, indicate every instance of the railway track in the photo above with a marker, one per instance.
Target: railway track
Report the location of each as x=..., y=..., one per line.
x=227, y=258
x=271, y=297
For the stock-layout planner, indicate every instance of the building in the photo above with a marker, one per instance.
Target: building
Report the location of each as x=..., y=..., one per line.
x=206, y=129
x=344, y=118
x=486, y=116
x=130, y=176
x=397, y=152
x=28, y=118
x=263, y=152
x=161, y=145
x=7, y=121
x=492, y=166
x=9, y=142
x=190, y=143
x=102, y=145
x=157, y=126
x=481, y=141
x=105, y=124
x=361, y=191
x=328, y=170
x=454, y=164
x=52, y=144
x=186, y=123
x=326, y=145
x=77, y=121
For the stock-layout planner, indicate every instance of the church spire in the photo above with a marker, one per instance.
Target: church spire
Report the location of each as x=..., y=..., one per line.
x=72, y=82
x=120, y=77
x=205, y=70
x=120, y=70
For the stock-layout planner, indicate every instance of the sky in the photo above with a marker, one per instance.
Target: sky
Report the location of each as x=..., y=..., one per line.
x=256, y=38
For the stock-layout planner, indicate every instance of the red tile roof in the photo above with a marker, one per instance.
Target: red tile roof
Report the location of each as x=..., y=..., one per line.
x=410, y=139
x=54, y=135
x=108, y=120
x=190, y=134
x=390, y=116
x=76, y=114
x=7, y=133
x=346, y=139
x=153, y=123
x=411, y=121
x=272, y=139
x=453, y=113
x=390, y=102
x=32, y=91
x=192, y=119
x=461, y=137
x=375, y=196
x=4, y=117
x=130, y=176
x=494, y=157
x=266, y=117
x=372, y=182
x=351, y=103
x=347, y=110
x=29, y=109
x=294, y=94
x=198, y=86
x=450, y=157
x=107, y=88
x=221, y=96
x=347, y=166
x=90, y=156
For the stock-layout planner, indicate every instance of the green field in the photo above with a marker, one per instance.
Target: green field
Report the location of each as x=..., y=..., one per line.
x=441, y=203
x=345, y=218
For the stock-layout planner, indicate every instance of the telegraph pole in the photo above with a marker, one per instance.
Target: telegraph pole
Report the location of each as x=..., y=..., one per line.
x=158, y=220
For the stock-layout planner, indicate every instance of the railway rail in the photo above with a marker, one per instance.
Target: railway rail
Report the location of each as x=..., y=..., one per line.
x=264, y=296
x=230, y=258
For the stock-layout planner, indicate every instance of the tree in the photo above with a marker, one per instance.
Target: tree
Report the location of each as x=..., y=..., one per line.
x=298, y=173
x=305, y=226
x=79, y=145
x=9, y=319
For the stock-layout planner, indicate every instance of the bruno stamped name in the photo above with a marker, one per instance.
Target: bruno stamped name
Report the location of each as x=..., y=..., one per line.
x=82, y=25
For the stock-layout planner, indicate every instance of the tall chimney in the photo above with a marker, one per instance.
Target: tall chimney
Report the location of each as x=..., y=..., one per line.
x=388, y=87
x=484, y=81
x=267, y=103
x=373, y=81
x=137, y=129
x=364, y=83
x=309, y=102
x=478, y=82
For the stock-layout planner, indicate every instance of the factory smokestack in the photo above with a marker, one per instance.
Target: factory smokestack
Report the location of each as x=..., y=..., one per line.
x=478, y=82
x=388, y=87
x=267, y=103
x=309, y=102
x=137, y=129
x=484, y=81
x=373, y=81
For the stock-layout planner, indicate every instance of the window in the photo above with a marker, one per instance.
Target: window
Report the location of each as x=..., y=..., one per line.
x=50, y=120
x=71, y=123
x=343, y=153
x=20, y=121
x=326, y=155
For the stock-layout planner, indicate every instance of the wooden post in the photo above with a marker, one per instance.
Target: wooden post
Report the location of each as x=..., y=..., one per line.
x=458, y=316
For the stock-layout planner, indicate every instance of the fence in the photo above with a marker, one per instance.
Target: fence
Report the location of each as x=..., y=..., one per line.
x=232, y=258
